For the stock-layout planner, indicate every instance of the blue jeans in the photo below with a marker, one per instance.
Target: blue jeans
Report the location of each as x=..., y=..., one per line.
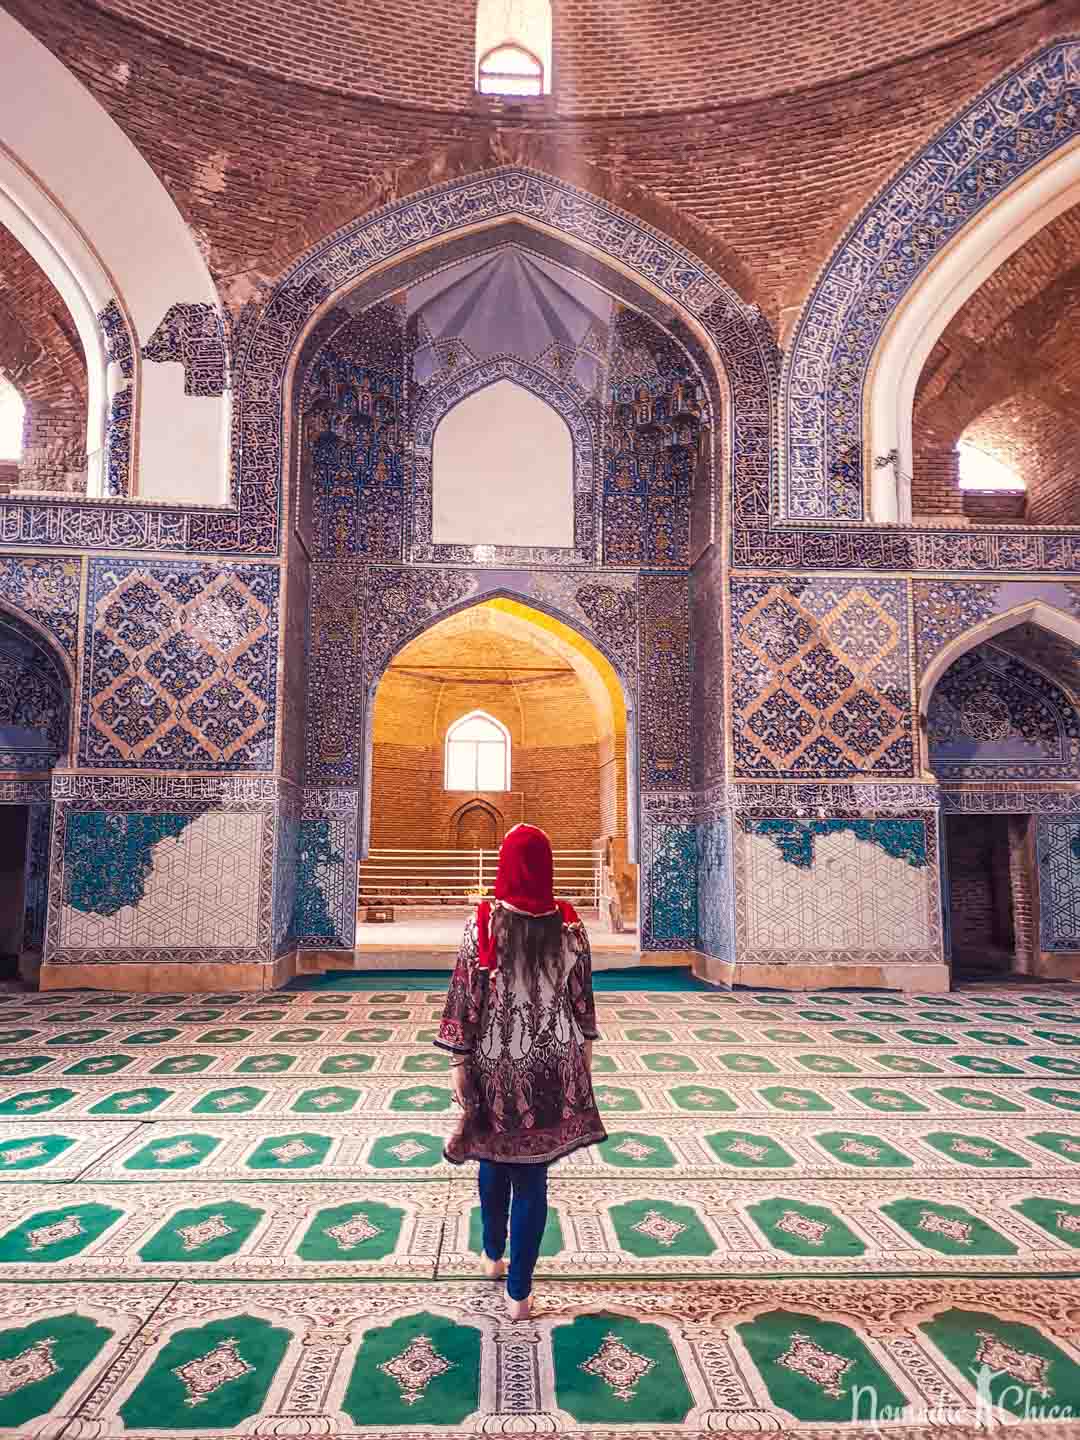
x=527, y=1216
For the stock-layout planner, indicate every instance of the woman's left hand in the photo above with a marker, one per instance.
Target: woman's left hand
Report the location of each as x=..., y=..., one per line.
x=457, y=1084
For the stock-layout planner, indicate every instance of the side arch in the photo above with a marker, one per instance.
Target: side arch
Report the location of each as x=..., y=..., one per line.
x=1013, y=148
x=1036, y=612
x=68, y=191
x=58, y=673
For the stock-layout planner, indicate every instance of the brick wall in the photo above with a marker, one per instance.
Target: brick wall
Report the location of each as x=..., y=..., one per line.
x=424, y=55
x=1003, y=376
x=1022, y=889
x=565, y=776
x=979, y=887
x=771, y=185
x=41, y=355
x=935, y=480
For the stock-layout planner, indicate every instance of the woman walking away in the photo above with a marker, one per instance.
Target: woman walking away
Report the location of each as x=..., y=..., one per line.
x=520, y=1022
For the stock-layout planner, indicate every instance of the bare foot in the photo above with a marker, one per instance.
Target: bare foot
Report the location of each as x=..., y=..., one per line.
x=519, y=1309
x=496, y=1269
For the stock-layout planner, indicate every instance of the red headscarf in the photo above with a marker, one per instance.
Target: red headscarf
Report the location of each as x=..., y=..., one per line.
x=524, y=881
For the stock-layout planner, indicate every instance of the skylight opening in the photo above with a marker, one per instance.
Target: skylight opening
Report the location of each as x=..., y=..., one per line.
x=513, y=47
x=509, y=70
x=981, y=471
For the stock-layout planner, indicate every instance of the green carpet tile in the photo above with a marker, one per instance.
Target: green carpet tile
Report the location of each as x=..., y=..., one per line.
x=854, y=1212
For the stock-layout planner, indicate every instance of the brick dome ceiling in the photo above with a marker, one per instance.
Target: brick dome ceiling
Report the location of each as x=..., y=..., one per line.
x=630, y=57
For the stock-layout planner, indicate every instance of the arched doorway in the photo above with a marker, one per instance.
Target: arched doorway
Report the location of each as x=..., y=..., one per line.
x=35, y=723
x=1001, y=720
x=495, y=715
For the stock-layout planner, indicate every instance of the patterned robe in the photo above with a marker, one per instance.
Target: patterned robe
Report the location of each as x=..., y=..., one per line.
x=528, y=1094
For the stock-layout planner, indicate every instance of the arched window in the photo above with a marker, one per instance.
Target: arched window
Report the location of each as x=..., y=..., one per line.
x=12, y=415
x=510, y=70
x=513, y=47
x=477, y=754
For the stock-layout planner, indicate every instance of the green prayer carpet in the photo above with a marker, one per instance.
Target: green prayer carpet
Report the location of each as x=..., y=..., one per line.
x=847, y=1210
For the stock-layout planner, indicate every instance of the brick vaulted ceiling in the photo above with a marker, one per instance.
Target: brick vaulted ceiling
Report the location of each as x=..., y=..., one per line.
x=765, y=125
x=41, y=355
x=611, y=56
x=1005, y=375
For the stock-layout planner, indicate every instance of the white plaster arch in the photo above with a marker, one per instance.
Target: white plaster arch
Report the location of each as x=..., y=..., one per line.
x=1035, y=612
x=503, y=440
x=81, y=198
x=45, y=233
x=988, y=240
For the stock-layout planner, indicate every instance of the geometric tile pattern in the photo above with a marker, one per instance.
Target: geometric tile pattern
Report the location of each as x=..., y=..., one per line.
x=714, y=917
x=353, y=440
x=186, y=881
x=665, y=664
x=324, y=907
x=821, y=678
x=651, y=456
x=907, y=1215
x=855, y=902
x=1058, y=842
x=1015, y=125
x=668, y=885
x=180, y=666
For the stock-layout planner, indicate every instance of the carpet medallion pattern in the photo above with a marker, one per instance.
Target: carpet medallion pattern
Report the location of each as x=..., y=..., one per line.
x=838, y=1212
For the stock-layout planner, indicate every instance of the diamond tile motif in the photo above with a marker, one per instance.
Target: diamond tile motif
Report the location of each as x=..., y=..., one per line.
x=1027, y=1369
x=352, y=1231
x=46, y=1235
x=952, y=1229
x=820, y=678
x=212, y=1228
x=634, y=1149
x=180, y=1150
x=806, y=1357
x=181, y=662
x=407, y=1150
x=415, y=1368
x=206, y=1373
x=28, y=1367
x=660, y=1228
x=618, y=1366
x=291, y=1150
x=803, y=1227
x=31, y=1151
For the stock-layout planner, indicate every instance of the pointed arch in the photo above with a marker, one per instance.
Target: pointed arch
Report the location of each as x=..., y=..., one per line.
x=58, y=673
x=420, y=614
x=585, y=471
x=637, y=262
x=477, y=748
x=891, y=284
x=1035, y=612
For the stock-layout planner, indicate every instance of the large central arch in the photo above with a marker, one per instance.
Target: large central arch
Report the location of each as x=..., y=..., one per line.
x=602, y=692
x=380, y=251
